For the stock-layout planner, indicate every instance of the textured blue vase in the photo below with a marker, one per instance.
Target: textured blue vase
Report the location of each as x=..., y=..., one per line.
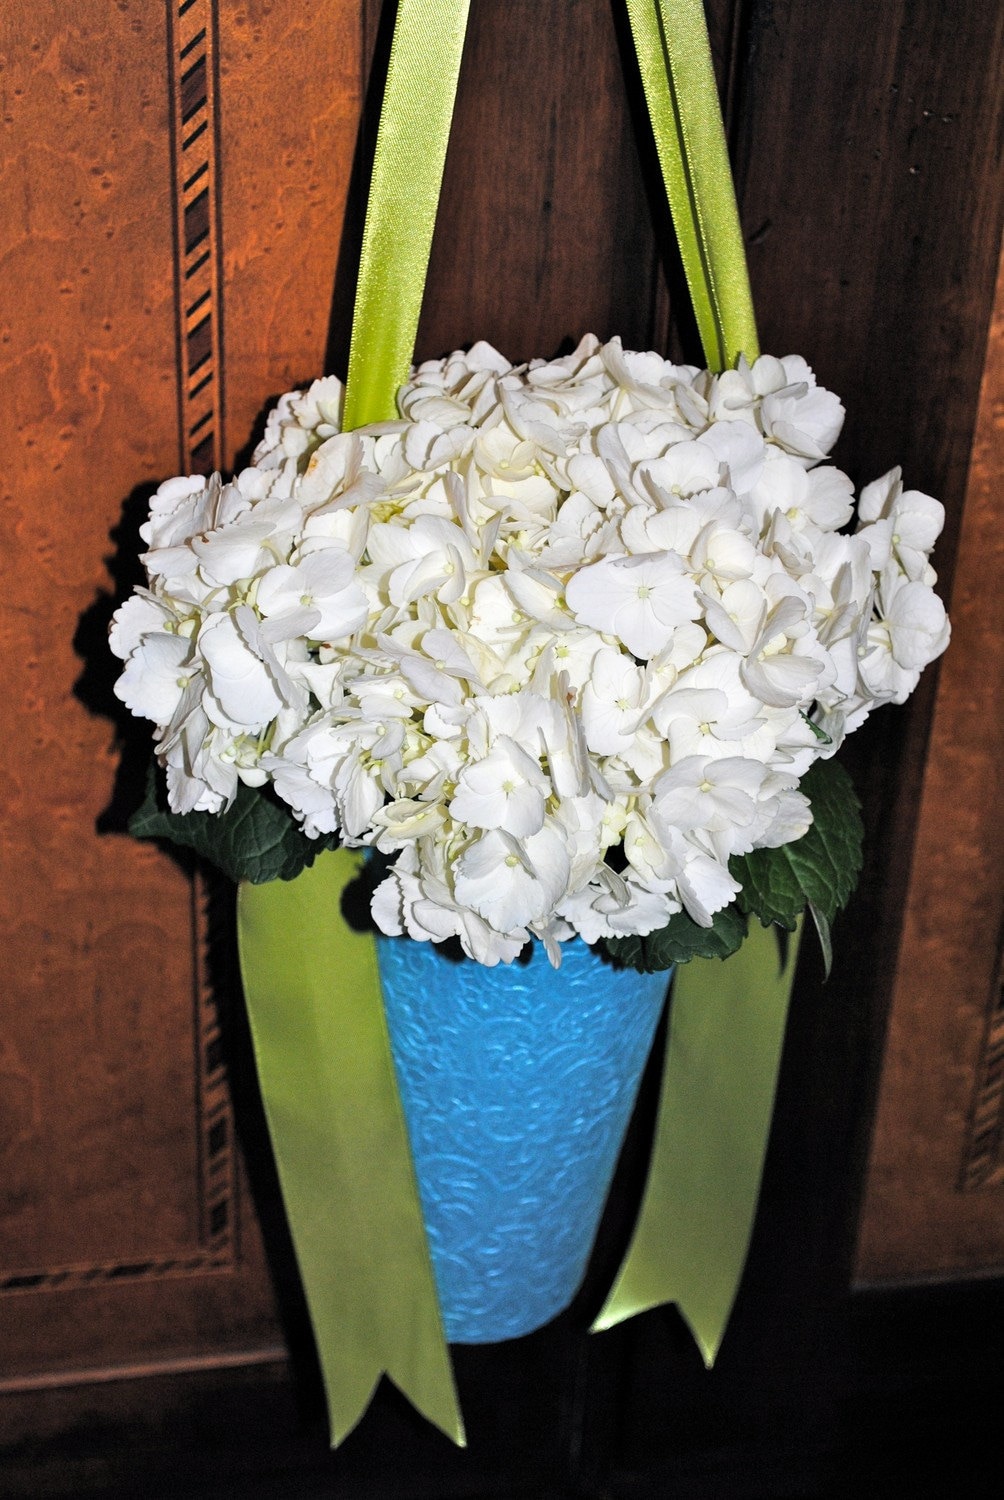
x=517, y=1084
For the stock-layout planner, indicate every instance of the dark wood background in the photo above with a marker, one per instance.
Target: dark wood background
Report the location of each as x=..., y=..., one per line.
x=182, y=186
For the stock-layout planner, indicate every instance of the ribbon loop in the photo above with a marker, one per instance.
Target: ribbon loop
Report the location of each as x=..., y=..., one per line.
x=674, y=57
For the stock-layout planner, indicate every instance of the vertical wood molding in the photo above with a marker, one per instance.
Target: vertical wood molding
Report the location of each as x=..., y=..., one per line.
x=218, y=1178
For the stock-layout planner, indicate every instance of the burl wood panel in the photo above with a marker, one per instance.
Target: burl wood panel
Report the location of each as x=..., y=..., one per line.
x=97, y=1154
x=132, y=135
x=291, y=81
x=935, y=1193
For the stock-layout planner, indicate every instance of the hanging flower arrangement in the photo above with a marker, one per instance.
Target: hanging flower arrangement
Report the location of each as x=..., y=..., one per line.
x=567, y=648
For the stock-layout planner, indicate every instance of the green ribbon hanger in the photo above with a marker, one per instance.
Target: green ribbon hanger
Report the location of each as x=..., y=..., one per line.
x=678, y=76
x=311, y=982
x=407, y=175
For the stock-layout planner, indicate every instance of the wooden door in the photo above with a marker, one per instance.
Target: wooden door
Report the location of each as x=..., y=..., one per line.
x=181, y=188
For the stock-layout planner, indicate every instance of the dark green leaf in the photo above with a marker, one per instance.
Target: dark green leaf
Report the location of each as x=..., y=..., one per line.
x=256, y=839
x=770, y=889
x=820, y=869
x=825, y=940
x=679, y=941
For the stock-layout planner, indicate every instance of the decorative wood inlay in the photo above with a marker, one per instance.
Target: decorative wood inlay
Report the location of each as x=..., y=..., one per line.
x=983, y=1164
x=71, y=1278
x=193, y=60
x=217, y=1154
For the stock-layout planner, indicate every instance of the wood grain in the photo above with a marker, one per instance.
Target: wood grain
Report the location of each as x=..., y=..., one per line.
x=868, y=148
x=925, y=1212
x=291, y=80
x=88, y=313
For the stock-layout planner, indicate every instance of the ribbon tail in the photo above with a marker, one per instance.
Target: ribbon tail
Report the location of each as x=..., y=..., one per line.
x=723, y=1054
x=330, y=1092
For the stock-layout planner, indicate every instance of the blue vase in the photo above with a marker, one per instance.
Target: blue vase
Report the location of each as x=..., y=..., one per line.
x=517, y=1084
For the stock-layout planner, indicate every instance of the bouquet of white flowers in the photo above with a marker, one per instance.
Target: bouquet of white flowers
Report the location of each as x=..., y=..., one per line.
x=561, y=643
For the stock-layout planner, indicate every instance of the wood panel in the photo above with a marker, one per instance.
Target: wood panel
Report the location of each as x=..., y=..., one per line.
x=867, y=136
x=934, y=1200
x=544, y=231
x=166, y=264
x=883, y=276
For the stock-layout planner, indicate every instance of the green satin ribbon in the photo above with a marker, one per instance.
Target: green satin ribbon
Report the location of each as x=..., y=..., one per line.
x=311, y=983
x=726, y=1031
x=404, y=194
x=674, y=55
x=341, y=1147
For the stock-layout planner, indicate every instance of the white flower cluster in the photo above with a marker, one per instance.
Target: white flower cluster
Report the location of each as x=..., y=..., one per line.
x=552, y=641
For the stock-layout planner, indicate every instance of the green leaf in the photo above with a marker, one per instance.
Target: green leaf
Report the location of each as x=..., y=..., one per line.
x=256, y=839
x=825, y=940
x=821, y=735
x=819, y=869
x=679, y=941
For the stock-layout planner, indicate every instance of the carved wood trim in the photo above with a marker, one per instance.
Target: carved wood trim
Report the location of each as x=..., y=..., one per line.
x=217, y=1157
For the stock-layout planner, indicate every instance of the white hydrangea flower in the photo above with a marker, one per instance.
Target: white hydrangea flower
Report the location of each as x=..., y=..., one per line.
x=549, y=642
x=640, y=600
